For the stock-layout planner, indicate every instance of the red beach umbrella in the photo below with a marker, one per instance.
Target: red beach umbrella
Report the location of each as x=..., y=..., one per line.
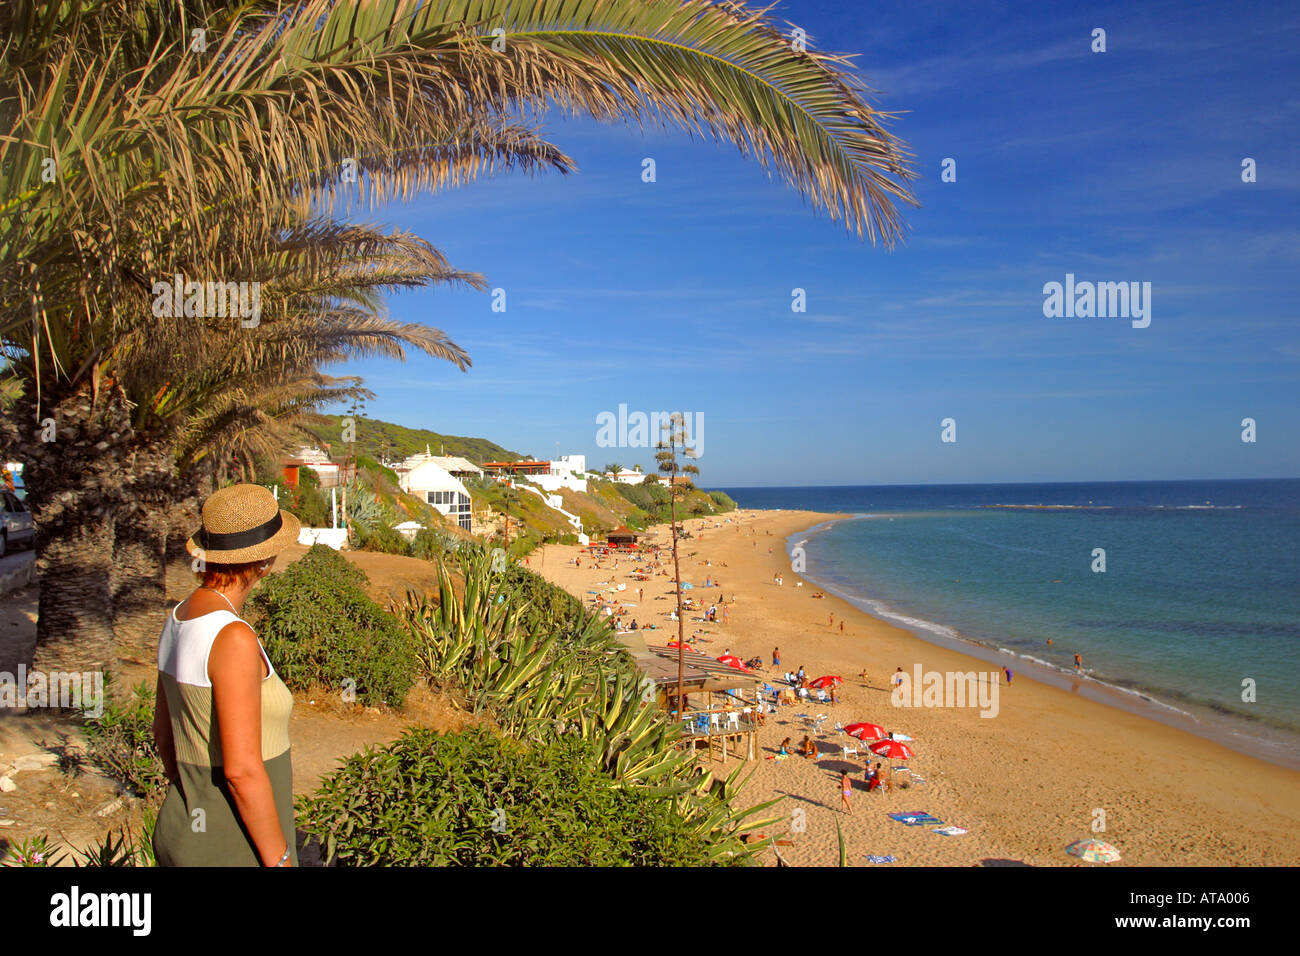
x=731, y=660
x=891, y=749
x=826, y=681
x=686, y=646
x=865, y=731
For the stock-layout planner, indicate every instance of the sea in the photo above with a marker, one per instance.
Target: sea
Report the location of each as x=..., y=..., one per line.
x=1181, y=596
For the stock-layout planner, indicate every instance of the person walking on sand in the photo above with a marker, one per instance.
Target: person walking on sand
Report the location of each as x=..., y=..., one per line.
x=846, y=791
x=1078, y=662
x=776, y=657
x=898, y=677
x=221, y=723
x=1007, y=671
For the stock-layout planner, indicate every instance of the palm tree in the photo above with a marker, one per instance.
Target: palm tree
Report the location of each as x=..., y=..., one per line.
x=675, y=436
x=132, y=148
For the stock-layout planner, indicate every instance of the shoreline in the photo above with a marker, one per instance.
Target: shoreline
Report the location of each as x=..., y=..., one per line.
x=1282, y=749
x=1023, y=785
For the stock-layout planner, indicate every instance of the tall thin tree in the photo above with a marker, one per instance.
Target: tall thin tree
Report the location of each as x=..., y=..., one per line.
x=677, y=436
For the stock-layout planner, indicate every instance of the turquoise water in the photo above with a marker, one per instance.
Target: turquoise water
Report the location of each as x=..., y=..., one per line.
x=1201, y=588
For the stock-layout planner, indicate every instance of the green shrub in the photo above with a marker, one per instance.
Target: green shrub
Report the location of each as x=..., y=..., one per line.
x=120, y=742
x=382, y=539
x=320, y=627
x=723, y=500
x=475, y=799
x=311, y=508
x=549, y=609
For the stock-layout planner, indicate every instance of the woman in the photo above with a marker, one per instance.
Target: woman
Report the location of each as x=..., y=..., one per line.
x=222, y=720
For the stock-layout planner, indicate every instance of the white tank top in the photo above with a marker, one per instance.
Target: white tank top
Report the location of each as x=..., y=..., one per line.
x=184, y=646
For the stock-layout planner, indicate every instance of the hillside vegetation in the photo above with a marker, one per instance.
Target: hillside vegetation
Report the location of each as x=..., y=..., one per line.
x=377, y=439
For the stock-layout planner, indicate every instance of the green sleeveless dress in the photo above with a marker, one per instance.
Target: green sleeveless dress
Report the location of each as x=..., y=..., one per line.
x=198, y=823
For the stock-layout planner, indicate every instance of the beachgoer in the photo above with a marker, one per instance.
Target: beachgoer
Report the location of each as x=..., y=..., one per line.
x=219, y=697
x=776, y=657
x=801, y=673
x=898, y=677
x=832, y=623
x=834, y=697
x=846, y=791
x=1007, y=671
x=1078, y=662
x=841, y=625
x=785, y=747
x=807, y=747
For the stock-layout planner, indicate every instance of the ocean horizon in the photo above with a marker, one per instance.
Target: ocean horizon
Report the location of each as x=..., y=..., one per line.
x=1184, y=594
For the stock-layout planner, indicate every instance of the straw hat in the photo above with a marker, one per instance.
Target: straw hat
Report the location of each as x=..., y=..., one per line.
x=242, y=524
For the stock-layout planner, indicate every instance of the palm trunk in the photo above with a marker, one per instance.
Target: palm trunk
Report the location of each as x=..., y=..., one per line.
x=74, y=479
x=139, y=576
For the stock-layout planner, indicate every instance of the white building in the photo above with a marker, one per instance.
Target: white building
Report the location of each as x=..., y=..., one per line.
x=329, y=472
x=569, y=471
x=454, y=464
x=626, y=477
x=440, y=489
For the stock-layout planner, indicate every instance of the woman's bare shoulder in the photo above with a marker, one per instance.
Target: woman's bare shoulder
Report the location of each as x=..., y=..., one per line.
x=235, y=644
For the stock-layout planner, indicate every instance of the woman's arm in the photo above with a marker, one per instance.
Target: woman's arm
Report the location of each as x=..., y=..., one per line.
x=162, y=732
x=235, y=670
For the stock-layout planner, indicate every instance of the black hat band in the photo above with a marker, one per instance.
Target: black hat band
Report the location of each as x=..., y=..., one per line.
x=238, y=540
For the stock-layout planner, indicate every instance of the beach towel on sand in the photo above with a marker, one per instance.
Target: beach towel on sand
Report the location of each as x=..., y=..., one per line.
x=872, y=858
x=949, y=830
x=916, y=819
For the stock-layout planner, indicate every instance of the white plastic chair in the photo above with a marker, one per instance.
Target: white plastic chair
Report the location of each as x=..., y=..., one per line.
x=850, y=750
x=733, y=720
x=714, y=720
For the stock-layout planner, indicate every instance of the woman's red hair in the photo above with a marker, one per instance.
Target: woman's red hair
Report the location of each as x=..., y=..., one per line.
x=224, y=575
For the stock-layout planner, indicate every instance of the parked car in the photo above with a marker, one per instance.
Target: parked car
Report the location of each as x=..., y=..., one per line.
x=16, y=525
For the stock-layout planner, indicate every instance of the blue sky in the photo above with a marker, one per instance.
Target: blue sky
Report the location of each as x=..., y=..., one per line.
x=1115, y=166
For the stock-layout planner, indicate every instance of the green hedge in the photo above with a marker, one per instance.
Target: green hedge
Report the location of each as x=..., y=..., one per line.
x=475, y=799
x=320, y=627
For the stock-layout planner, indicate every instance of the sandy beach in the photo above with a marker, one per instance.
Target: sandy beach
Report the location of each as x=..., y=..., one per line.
x=1051, y=767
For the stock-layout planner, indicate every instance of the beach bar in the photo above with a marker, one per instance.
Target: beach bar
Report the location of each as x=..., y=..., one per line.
x=728, y=728
x=622, y=537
